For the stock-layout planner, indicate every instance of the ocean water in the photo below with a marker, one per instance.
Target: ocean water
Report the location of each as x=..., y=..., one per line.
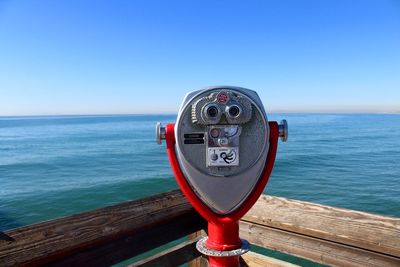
x=57, y=166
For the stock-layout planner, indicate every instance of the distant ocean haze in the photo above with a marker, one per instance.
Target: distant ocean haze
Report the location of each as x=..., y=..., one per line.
x=56, y=166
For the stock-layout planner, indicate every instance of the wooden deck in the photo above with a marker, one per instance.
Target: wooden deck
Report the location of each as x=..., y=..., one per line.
x=327, y=235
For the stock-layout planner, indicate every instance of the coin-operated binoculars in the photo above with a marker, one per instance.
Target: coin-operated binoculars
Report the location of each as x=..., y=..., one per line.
x=222, y=150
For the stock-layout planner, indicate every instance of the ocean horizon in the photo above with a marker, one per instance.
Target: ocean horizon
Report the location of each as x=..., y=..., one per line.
x=58, y=165
x=10, y=116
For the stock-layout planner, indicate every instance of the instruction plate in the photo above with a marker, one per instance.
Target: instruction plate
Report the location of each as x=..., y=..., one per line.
x=222, y=156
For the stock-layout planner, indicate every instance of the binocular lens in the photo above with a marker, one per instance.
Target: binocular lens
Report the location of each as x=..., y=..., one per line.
x=212, y=112
x=234, y=111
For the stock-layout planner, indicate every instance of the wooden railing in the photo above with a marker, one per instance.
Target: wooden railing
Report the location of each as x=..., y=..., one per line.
x=327, y=235
x=106, y=236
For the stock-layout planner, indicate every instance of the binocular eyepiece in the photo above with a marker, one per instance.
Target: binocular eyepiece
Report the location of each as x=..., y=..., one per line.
x=221, y=107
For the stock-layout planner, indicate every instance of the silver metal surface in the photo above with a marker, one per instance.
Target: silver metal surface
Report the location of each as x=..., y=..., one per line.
x=222, y=188
x=283, y=130
x=203, y=249
x=160, y=133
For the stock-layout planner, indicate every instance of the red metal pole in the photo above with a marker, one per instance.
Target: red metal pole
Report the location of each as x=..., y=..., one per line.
x=223, y=236
x=232, y=261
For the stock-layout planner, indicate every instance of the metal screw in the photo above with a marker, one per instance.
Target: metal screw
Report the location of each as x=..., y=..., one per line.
x=160, y=133
x=283, y=130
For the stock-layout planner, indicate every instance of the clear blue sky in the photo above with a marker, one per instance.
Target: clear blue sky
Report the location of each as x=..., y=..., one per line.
x=90, y=57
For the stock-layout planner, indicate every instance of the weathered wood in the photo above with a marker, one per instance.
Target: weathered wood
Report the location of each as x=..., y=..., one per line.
x=323, y=234
x=359, y=229
x=314, y=249
x=130, y=246
x=251, y=259
x=172, y=257
x=199, y=261
x=96, y=230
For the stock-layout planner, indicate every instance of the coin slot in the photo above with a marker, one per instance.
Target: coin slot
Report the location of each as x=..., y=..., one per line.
x=194, y=135
x=193, y=141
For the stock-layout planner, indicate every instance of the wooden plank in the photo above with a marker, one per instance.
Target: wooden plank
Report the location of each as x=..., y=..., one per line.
x=314, y=249
x=172, y=257
x=199, y=261
x=257, y=260
x=50, y=241
x=130, y=246
x=363, y=230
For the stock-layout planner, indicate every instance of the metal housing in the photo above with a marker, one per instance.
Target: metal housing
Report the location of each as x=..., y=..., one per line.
x=223, y=188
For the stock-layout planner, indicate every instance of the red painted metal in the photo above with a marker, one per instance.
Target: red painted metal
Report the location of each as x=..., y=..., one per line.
x=223, y=230
x=223, y=261
x=223, y=236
